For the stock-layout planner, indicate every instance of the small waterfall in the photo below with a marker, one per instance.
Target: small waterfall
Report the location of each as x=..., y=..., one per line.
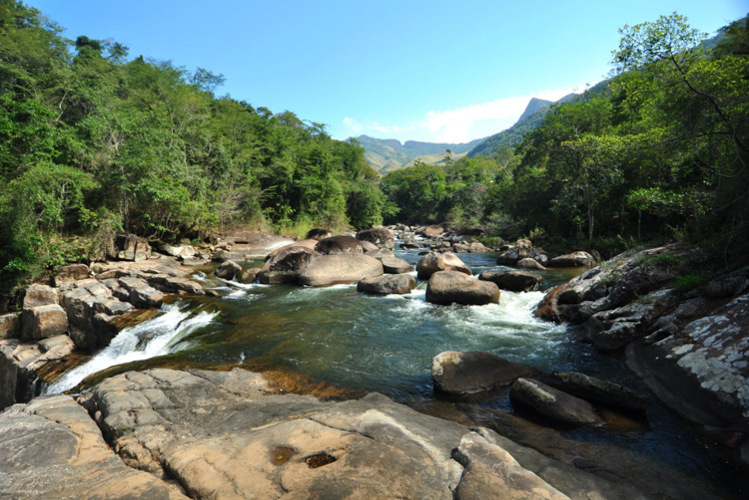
x=154, y=337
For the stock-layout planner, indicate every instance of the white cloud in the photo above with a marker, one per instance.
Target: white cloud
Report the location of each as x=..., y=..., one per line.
x=460, y=124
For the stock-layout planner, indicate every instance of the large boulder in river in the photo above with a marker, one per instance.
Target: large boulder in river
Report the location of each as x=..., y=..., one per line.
x=553, y=403
x=434, y=262
x=574, y=259
x=286, y=265
x=381, y=237
x=514, y=281
x=384, y=285
x=452, y=287
x=318, y=234
x=528, y=263
x=461, y=373
x=227, y=270
x=342, y=268
x=339, y=244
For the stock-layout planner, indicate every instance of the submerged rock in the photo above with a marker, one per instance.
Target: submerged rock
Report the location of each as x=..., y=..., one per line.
x=452, y=287
x=463, y=373
x=553, y=403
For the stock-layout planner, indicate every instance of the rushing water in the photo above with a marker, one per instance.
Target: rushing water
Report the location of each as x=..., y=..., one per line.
x=386, y=344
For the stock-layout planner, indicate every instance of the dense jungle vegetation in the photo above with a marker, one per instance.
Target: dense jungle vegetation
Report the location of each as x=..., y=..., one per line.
x=659, y=151
x=93, y=142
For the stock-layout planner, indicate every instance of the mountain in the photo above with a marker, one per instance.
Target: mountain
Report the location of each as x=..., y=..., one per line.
x=530, y=119
x=385, y=155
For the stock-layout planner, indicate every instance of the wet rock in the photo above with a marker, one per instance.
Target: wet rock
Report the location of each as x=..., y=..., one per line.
x=50, y=448
x=248, y=276
x=462, y=373
x=381, y=237
x=44, y=321
x=71, y=273
x=599, y=391
x=453, y=287
x=434, y=262
x=574, y=259
x=40, y=295
x=227, y=270
x=339, y=244
x=343, y=268
x=553, y=403
x=548, y=309
x=411, y=245
x=702, y=372
x=523, y=249
x=170, y=284
x=491, y=472
x=221, y=256
x=21, y=362
x=514, y=281
x=129, y=247
x=318, y=234
x=384, y=285
x=286, y=265
x=10, y=325
x=528, y=263
x=394, y=265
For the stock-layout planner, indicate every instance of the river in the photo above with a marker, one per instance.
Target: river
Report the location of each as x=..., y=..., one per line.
x=386, y=344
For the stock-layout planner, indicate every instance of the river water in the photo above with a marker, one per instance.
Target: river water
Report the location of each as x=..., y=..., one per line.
x=386, y=344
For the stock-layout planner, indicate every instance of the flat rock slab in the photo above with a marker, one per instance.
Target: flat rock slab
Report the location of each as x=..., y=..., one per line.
x=50, y=448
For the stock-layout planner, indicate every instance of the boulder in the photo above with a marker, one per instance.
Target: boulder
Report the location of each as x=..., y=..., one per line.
x=434, y=262
x=248, y=276
x=514, y=281
x=339, y=244
x=170, y=284
x=183, y=251
x=394, y=265
x=574, y=259
x=221, y=256
x=384, y=285
x=227, y=270
x=141, y=294
x=40, y=295
x=461, y=373
x=433, y=231
x=307, y=243
x=528, y=263
x=599, y=391
x=341, y=268
x=129, y=247
x=369, y=247
x=381, y=237
x=44, y=321
x=318, y=234
x=71, y=273
x=286, y=265
x=553, y=403
x=10, y=325
x=411, y=245
x=89, y=307
x=511, y=256
x=453, y=287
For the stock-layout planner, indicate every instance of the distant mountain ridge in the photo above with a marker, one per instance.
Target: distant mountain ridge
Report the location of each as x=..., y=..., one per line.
x=385, y=155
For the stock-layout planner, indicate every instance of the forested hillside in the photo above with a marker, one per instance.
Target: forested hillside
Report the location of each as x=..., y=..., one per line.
x=93, y=141
x=386, y=155
x=658, y=153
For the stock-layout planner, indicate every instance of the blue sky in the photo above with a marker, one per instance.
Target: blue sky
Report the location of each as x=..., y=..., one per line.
x=423, y=70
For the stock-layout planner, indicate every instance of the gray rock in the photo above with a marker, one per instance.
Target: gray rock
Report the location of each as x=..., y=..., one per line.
x=453, y=287
x=129, y=247
x=334, y=245
x=141, y=294
x=599, y=391
x=384, y=285
x=227, y=270
x=248, y=276
x=89, y=306
x=462, y=373
x=528, y=263
x=553, y=403
x=342, y=268
x=434, y=262
x=10, y=325
x=514, y=281
x=574, y=259
x=394, y=265
x=40, y=295
x=286, y=265
x=381, y=237
x=318, y=234
x=44, y=321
